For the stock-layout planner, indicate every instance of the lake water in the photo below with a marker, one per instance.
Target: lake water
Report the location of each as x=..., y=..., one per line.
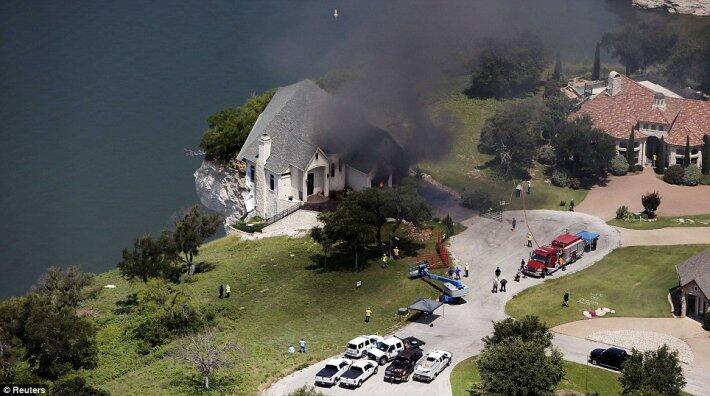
x=99, y=100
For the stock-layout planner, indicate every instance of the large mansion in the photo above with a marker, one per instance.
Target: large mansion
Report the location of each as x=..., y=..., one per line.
x=652, y=112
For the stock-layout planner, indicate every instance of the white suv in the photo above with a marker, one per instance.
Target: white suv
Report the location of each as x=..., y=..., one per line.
x=359, y=346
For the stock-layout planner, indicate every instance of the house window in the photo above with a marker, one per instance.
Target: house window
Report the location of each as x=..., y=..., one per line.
x=332, y=169
x=316, y=156
x=271, y=182
x=637, y=145
x=251, y=172
x=622, y=145
x=694, y=152
x=340, y=165
x=680, y=151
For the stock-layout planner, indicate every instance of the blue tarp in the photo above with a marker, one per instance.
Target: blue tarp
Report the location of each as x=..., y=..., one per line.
x=588, y=237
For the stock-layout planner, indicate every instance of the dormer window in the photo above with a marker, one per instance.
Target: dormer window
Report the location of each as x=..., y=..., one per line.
x=316, y=156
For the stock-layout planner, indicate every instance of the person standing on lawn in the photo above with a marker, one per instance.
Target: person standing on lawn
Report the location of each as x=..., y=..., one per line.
x=384, y=260
x=221, y=291
x=565, y=299
x=302, y=345
x=368, y=313
x=227, y=291
x=518, y=190
x=395, y=253
x=530, y=186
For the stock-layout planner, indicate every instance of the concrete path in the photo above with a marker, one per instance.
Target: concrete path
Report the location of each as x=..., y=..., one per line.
x=665, y=236
x=485, y=244
x=570, y=337
x=602, y=201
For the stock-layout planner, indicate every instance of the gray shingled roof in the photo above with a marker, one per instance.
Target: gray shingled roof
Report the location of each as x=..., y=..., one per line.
x=696, y=268
x=302, y=117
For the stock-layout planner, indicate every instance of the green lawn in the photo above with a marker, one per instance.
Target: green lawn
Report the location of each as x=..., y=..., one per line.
x=663, y=222
x=634, y=281
x=578, y=378
x=464, y=167
x=278, y=296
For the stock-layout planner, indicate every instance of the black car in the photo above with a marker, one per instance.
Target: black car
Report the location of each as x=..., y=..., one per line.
x=403, y=365
x=612, y=358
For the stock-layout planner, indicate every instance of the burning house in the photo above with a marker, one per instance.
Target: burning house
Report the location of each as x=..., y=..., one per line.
x=304, y=147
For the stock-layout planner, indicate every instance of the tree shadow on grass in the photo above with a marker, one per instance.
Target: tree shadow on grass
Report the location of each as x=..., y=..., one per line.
x=203, y=267
x=193, y=384
x=343, y=260
x=126, y=305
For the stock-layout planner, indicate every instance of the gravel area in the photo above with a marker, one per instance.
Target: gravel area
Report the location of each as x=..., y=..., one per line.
x=644, y=341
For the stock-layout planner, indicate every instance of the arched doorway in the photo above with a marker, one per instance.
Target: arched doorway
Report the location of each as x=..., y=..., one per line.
x=652, y=146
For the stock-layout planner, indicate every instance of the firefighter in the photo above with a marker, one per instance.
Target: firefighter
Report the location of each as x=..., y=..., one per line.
x=368, y=313
x=529, y=239
x=514, y=223
x=565, y=299
x=227, y=291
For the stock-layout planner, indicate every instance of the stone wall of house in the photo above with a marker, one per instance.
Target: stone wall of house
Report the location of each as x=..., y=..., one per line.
x=222, y=190
x=692, y=289
x=691, y=7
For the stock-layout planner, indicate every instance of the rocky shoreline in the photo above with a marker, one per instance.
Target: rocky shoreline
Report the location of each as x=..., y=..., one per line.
x=222, y=190
x=689, y=7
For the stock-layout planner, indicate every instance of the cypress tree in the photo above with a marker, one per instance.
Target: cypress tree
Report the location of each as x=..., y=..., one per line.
x=630, y=150
x=557, y=73
x=686, y=157
x=596, y=72
x=662, y=157
x=706, y=155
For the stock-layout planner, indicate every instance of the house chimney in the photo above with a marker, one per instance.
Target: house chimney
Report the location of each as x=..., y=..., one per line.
x=264, y=147
x=659, y=101
x=613, y=83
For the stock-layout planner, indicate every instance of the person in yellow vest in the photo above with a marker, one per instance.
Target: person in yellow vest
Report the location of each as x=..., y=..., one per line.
x=227, y=290
x=368, y=313
x=560, y=261
x=529, y=239
x=654, y=160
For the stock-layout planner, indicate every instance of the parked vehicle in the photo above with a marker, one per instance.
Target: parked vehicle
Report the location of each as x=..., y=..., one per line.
x=434, y=363
x=358, y=373
x=359, y=346
x=403, y=365
x=334, y=368
x=386, y=350
x=564, y=250
x=612, y=358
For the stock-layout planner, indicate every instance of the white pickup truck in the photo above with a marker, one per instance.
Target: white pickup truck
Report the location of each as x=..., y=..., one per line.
x=386, y=350
x=434, y=363
x=334, y=368
x=358, y=373
x=359, y=346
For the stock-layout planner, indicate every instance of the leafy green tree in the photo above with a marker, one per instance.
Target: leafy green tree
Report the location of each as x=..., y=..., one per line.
x=320, y=237
x=596, y=71
x=379, y=202
x=228, y=129
x=640, y=44
x=10, y=327
x=530, y=328
x=75, y=386
x=630, y=153
x=475, y=199
x=656, y=371
x=406, y=204
x=149, y=258
x=63, y=288
x=350, y=225
x=573, y=148
x=449, y=224
x=557, y=72
x=511, y=134
x=520, y=368
x=651, y=201
x=686, y=154
x=557, y=108
x=55, y=339
x=191, y=230
x=706, y=155
x=507, y=69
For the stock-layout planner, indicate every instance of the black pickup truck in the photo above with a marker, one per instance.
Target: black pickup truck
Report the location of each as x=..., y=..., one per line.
x=403, y=365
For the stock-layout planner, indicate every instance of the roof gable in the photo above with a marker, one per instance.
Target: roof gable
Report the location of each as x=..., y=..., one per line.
x=696, y=268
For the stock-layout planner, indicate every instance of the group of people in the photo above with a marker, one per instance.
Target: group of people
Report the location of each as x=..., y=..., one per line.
x=301, y=347
x=499, y=282
x=519, y=189
x=224, y=291
x=386, y=258
x=455, y=272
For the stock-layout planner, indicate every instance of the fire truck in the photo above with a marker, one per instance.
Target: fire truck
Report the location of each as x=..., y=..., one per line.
x=563, y=250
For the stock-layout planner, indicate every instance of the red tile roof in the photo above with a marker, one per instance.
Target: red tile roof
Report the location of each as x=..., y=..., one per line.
x=618, y=114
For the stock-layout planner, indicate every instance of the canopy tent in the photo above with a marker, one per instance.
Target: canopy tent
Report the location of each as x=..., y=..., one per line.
x=588, y=236
x=425, y=305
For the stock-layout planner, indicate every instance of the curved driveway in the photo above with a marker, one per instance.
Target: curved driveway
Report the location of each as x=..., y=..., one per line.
x=485, y=244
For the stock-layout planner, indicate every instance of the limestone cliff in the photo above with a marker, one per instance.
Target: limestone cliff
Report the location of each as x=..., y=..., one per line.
x=222, y=190
x=691, y=7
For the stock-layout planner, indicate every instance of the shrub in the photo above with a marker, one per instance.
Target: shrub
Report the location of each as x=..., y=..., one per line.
x=546, y=155
x=621, y=212
x=559, y=178
x=674, y=174
x=653, y=372
x=692, y=175
x=574, y=183
x=75, y=386
x=477, y=200
x=563, y=203
x=638, y=168
x=256, y=224
x=651, y=202
x=619, y=166
x=705, y=180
